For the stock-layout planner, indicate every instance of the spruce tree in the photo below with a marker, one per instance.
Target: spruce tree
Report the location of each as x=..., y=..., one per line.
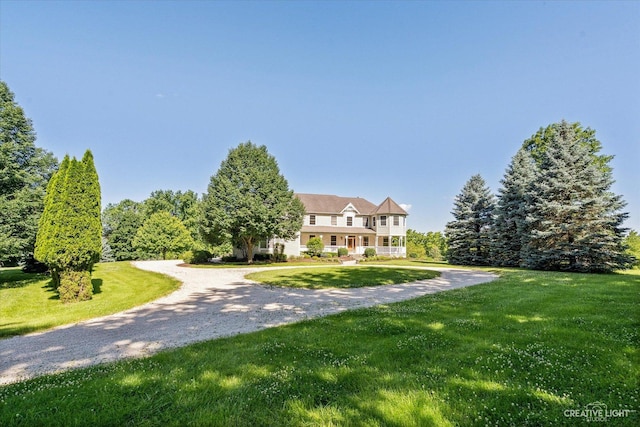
x=510, y=228
x=574, y=218
x=538, y=143
x=468, y=235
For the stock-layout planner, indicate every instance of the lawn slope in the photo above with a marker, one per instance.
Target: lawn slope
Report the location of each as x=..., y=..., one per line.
x=522, y=350
x=28, y=302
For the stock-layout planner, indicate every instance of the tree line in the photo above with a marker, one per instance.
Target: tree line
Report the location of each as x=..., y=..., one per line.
x=554, y=211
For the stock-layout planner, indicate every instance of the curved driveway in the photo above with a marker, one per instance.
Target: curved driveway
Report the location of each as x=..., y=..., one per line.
x=211, y=303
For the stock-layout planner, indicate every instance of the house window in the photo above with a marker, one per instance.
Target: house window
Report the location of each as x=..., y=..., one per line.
x=383, y=220
x=312, y=219
x=334, y=220
x=396, y=220
x=385, y=241
x=334, y=240
x=365, y=222
x=349, y=221
x=374, y=221
x=365, y=241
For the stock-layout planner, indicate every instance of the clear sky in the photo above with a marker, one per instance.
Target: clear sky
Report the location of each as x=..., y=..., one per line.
x=369, y=99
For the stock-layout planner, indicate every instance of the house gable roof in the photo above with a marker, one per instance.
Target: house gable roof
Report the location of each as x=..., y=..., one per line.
x=330, y=204
x=390, y=207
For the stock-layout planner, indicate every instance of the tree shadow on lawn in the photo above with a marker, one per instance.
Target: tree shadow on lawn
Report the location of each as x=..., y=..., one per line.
x=471, y=356
x=15, y=278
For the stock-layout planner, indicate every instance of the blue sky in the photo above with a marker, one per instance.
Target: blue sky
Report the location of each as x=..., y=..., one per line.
x=369, y=99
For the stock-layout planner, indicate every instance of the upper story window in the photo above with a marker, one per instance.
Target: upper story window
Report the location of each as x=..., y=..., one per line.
x=312, y=220
x=374, y=221
x=396, y=220
x=334, y=220
x=349, y=221
x=365, y=221
x=383, y=220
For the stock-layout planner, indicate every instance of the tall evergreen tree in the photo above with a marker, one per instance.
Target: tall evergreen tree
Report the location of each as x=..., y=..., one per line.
x=510, y=228
x=69, y=240
x=575, y=220
x=92, y=209
x=538, y=143
x=24, y=172
x=468, y=235
x=51, y=219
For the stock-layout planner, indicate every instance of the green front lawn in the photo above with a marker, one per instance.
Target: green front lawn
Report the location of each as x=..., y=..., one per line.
x=340, y=277
x=523, y=350
x=28, y=302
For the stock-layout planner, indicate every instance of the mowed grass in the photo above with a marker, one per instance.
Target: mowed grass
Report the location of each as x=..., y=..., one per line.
x=340, y=277
x=522, y=350
x=29, y=303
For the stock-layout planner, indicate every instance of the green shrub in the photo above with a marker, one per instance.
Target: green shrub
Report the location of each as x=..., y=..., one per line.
x=343, y=252
x=369, y=252
x=278, y=253
x=196, y=257
x=75, y=286
x=315, y=246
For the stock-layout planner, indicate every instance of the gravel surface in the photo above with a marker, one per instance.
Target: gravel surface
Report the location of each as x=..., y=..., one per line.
x=211, y=303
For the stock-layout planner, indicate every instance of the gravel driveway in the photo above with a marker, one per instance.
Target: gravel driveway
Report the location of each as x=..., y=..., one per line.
x=211, y=303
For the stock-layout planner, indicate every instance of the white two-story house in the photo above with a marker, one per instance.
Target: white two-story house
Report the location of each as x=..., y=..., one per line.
x=353, y=223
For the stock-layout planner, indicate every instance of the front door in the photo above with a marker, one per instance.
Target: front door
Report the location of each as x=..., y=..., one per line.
x=351, y=243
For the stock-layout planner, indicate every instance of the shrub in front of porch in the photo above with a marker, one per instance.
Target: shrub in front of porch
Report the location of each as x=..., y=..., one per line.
x=315, y=246
x=369, y=252
x=343, y=252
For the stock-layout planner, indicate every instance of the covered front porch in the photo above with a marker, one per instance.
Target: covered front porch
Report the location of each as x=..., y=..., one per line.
x=357, y=244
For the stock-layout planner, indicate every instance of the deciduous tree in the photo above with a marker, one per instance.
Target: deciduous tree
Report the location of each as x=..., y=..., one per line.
x=163, y=233
x=248, y=200
x=121, y=222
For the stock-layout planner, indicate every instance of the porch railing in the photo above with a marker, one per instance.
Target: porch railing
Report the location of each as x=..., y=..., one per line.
x=399, y=251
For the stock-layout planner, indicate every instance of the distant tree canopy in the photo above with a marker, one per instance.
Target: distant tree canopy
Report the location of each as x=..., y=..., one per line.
x=69, y=238
x=555, y=210
x=121, y=222
x=25, y=171
x=432, y=244
x=248, y=200
x=632, y=243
